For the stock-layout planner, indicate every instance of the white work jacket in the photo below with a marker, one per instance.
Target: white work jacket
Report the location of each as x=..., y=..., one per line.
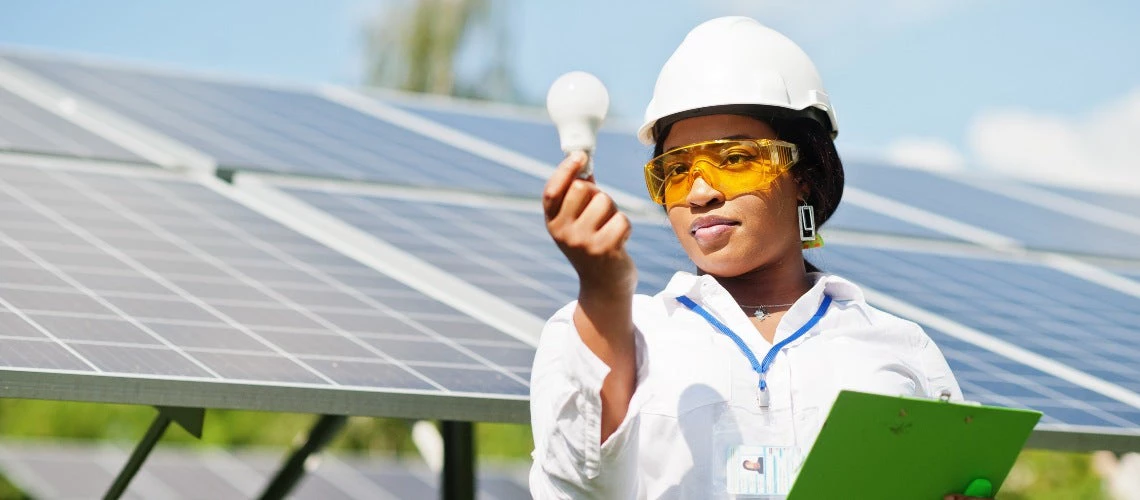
x=689, y=373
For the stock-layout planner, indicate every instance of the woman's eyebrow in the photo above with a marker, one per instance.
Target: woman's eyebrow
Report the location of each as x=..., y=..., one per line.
x=738, y=136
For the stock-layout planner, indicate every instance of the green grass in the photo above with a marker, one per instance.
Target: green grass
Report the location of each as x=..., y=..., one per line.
x=1052, y=475
x=1038, y=475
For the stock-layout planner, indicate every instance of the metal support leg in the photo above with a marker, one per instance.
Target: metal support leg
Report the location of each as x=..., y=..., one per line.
x=323, y=432
x=153, y=434
x=190, y=419
x=458, y=461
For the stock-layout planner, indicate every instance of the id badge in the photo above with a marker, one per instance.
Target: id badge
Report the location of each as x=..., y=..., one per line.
x=756, y=471
x=754, y=454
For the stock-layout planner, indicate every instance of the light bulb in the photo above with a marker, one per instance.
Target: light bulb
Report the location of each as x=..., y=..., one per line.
x=577, y=103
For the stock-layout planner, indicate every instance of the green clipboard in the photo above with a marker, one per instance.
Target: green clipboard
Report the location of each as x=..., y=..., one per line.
x=887, y=448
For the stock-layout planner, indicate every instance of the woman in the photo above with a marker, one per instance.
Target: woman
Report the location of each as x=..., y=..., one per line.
x=667, y=396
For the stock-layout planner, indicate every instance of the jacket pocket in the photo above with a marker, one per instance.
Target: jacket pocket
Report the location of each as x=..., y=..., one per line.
x=691, y=374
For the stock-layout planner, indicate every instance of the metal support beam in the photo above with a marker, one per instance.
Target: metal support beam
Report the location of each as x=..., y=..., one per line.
x=190, y=419
x=458, y=461
x=323, y=432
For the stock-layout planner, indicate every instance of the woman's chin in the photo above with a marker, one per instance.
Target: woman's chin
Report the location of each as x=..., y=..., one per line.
x=721, y=267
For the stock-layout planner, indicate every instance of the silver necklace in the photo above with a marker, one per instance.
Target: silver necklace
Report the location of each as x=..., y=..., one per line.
x=761, y=312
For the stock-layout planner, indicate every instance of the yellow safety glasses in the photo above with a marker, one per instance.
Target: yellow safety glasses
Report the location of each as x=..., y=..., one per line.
x=731, y=166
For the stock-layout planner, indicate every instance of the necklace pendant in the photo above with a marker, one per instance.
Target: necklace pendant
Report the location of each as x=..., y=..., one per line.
x=760, y=313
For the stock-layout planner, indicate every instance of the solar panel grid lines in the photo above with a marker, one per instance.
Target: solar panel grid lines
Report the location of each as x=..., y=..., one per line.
x=410, y=224
x=1075, y=204
x=134, y=263
x=192, y=128
x=99, y=120
x=927, y=219
x=28, y=128
x=854, y=218
x=231, y=147
x=352, y=99
x=363, y=298
x=515, y=260
x=991, y=378
x=620, y=156
x=289, y=130
x=473, y=143
x=388, y=310
x=407, y=266
x=10, y=190
x=129, y=243
x=1100, y=275
x=1033, y=314
x=1029, y=220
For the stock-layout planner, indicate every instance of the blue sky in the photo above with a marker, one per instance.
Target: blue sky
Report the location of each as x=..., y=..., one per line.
x=953, y=83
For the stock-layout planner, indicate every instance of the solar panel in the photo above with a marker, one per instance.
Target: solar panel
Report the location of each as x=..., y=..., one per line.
x=1035, y=226
x=1121, y=203
x=279, y=130
x=851, y=217
x=517, y=261
x=151, y=278
x=1046, y=311
x=992, y=379
x=74, y=471
x=1131, y=273
x=27, y=128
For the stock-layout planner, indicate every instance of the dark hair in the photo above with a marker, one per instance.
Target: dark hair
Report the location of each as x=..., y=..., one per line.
x=819, y=165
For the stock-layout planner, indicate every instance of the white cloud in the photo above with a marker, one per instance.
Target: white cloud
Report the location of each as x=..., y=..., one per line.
x=925, y=153
x=1100, y=150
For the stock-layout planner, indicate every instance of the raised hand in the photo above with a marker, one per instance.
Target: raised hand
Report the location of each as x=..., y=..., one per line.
x=590, y=231
x=587, y=226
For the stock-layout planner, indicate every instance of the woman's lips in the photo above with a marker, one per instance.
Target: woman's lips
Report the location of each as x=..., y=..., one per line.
x=708, y=228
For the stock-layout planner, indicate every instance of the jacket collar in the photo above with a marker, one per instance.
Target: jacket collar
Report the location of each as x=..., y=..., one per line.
x=707, y=291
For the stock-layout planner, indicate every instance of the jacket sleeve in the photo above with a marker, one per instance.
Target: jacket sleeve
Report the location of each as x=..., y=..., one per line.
x=566, y=413
x=939, y=378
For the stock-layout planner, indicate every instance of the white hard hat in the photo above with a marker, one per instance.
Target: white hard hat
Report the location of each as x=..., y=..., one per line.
x=736, y=61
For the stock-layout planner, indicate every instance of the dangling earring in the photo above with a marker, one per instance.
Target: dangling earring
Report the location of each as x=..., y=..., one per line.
x=808, y=234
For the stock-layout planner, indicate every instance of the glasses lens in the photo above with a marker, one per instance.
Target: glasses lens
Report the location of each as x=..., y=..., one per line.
x=733, y=167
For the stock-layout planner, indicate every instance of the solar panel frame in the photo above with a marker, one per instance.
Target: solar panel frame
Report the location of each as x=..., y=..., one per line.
x=196, y=384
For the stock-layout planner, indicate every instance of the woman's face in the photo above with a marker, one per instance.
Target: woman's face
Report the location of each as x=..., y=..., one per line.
x=727, y=238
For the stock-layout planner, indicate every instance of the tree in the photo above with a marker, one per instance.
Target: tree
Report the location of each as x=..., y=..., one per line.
x=416, y=47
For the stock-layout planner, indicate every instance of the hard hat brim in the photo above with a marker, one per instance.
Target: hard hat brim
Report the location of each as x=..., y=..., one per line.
x=647, y=134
